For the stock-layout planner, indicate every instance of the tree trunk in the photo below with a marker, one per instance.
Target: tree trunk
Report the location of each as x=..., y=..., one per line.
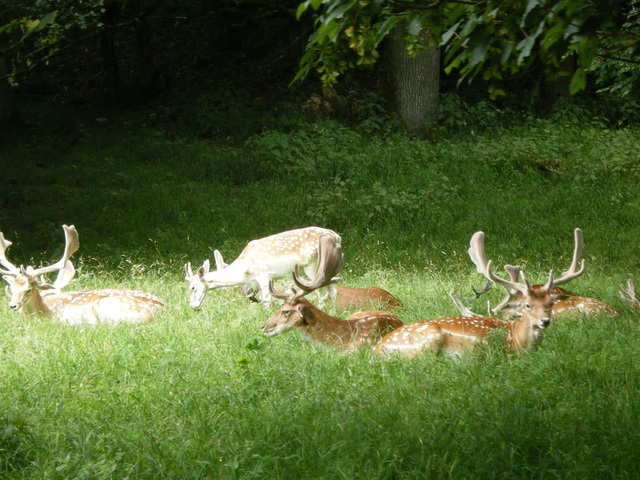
x=146, y=82
x=109, y=53
x=412, y=84
x=8, y=102
x=145, y=54
x=557, y=87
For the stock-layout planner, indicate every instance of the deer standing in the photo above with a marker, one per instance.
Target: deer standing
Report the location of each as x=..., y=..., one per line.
x=456, y=334
x=347, y=298
x=318, y=327
x=262, y=260
x=30, y=295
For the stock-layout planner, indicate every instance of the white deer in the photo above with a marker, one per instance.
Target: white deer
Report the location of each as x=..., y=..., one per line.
x=262, y=260
x=31, y=295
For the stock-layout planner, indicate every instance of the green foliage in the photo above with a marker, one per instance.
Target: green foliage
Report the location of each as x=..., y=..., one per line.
x=457, y=115
x=13, y=435
x=489, y=38
x=234, y=115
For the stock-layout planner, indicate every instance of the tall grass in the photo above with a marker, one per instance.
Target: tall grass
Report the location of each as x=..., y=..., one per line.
x=202, y=394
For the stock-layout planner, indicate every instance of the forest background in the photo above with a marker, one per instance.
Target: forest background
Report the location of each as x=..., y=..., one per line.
x=163, y=130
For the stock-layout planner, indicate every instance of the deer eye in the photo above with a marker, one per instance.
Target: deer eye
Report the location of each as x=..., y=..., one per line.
x=527, y=306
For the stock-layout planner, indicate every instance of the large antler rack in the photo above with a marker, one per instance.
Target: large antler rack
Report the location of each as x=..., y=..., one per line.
x=63, y=266
x=512, y=286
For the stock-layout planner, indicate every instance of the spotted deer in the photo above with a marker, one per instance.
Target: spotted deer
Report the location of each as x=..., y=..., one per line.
x=261, y=261
x=347, y=298
x=628, y=294
x=567, y=304
x=318, y=327
x=30, y=294
x=454, y=335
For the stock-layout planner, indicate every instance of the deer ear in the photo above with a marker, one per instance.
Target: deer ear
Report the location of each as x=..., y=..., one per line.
x=206, y=266
x=188, y=272
x=219, y=260
x=9, y=279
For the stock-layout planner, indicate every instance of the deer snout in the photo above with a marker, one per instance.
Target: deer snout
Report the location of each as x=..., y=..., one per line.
x=545, y=322
x=14, y=306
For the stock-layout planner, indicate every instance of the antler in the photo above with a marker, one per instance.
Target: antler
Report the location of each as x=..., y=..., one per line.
x=478, y=257
x=464, y=310
x=573, y=271
x=330, y=262
x=284, y=296
x=628, y=294
x=71, y=246
x=11, y=268
x=65, y=267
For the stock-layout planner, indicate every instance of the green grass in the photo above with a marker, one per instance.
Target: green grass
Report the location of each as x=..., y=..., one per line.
x=203, y=394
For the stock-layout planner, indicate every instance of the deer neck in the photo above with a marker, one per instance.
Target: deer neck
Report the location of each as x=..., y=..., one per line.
x=234, y=274
x=321, y=327
x=40, y=304
x=521, y=335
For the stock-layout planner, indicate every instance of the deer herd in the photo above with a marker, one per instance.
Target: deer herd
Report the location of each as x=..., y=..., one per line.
x=523, y=314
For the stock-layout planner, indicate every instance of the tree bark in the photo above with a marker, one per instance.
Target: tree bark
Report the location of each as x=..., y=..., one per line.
x=412, y=83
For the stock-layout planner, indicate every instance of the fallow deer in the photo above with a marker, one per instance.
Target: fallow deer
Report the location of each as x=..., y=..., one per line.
x=628, y=294
x=456, y=334
x=318, y=327
x=347, y=298
x=262, y=260
x=31, y=295
x=567, y=304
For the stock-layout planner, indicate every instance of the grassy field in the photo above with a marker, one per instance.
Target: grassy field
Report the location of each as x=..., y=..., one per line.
x=203, y=394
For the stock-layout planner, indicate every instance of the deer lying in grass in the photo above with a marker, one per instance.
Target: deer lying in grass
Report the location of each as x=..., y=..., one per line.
x=628, y=294
x=352, y=298
x=31, y=295
x=316, y=326
x=456, y=334
x=567, y=305
x=260, y=261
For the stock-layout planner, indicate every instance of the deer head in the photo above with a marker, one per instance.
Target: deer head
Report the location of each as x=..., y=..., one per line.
x=296, y=308
x=535, y=302
x=23, y=283
x=197, y=283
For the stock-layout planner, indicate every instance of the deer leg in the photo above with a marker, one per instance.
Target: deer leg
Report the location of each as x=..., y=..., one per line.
x=263, y=282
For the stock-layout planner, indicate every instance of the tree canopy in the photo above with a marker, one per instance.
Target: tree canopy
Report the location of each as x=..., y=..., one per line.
x=487, y=38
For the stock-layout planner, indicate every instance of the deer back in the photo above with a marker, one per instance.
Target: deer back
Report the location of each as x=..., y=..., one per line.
x=349, y=298
x=108, y=306
x=452, y=335
x=279, y=254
